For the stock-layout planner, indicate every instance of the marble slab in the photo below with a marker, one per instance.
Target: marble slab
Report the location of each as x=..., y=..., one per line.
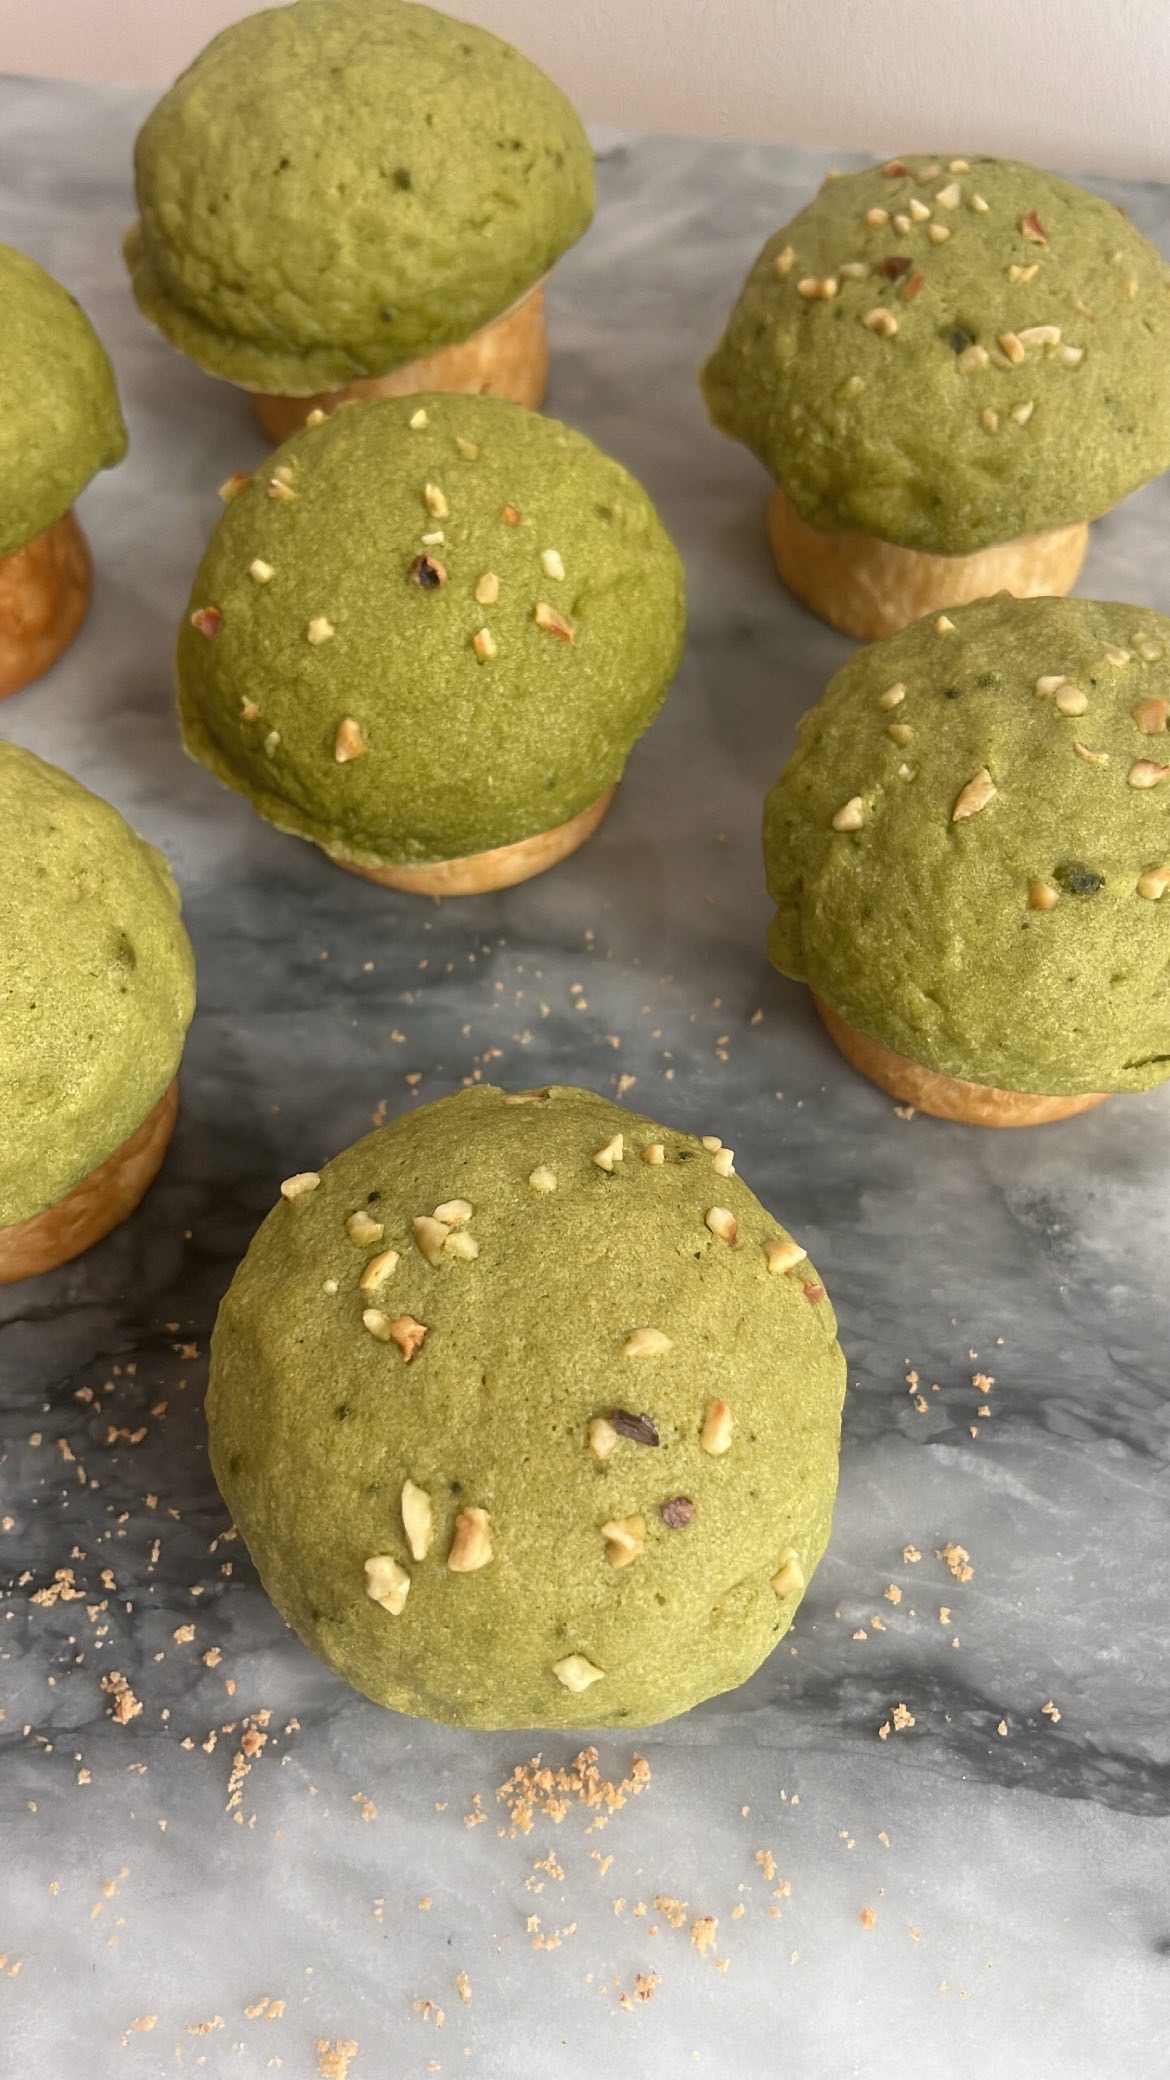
x=152, y=1895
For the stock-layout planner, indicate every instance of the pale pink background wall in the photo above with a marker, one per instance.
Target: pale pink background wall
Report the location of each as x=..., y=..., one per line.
x=1079, y=83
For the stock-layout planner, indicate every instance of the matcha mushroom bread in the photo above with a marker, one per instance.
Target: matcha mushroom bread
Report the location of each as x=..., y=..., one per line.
x=529, y=1413
x=949, y=366
x=969, y=853
x=96, y=993
x=61, y=424
x=343, y=197
x=426, y=637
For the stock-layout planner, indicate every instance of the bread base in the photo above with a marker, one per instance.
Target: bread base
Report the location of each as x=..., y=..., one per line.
x=867, y=587
x=508, y=358
x=502, y=867
x=948, y=1097
x=44, y=593
x=102, y=1201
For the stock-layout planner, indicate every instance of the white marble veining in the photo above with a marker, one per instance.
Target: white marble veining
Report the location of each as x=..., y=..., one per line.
x=1023, y=1917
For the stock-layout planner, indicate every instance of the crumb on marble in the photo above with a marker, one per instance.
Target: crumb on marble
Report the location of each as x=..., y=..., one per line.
x=124, y=1705
x=334, y=2059
x=900, y=1719
x=957, y=1560
x=534, y=1788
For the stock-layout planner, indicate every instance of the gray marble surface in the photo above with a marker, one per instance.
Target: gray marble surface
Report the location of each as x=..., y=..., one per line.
x=1017, y=1863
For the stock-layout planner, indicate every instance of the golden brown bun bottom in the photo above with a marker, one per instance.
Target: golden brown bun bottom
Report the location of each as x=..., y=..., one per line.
x=508, y=358
x=502, y=867
x=101, y=1202
x=947, y=1097
x=44, y=593
x=869, y=588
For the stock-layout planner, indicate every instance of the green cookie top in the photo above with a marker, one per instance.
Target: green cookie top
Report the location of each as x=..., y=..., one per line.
x=429, y=626
x=61, y=421
x=97, y=983
x=950, y=353
x=570, y=1410
x=338, y=186
x=969, y=847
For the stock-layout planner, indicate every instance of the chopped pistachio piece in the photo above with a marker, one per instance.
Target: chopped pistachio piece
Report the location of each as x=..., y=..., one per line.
x=625, y=1540
x=350, y=741
x=576, y=1672
x=378, y=1270
x=461, y=1244
x=783, y=1254
x=974, y=797
x=418, y=1519
x=296, y=1187
x=552, y=623
x=430, y=1235
x=602, y=1437
x=387, y=1583
x=851, y=815
x=612, y=1153
x=718, y=1424
x=788, y=1579
x=408, y=1334
x=646, y=1343
x=471, y=1545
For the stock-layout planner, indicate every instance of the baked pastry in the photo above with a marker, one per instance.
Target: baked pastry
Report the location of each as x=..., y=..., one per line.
x=969, y=850
x=426, y=637
x=529, y=1413
x=950, y=367
x=61, y=423
x=356, y=198
x=96, y=988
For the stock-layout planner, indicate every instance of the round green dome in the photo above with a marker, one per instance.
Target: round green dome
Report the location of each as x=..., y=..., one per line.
x=522, y=1425
x=341, y=185
x=969, y=849
x=97, y=981
x=429, y=626
x=61, y=421
x=949, y=353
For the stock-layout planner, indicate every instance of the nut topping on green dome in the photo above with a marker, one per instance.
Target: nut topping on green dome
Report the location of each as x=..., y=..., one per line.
x=993, y=921
x=381, y=696
x=1035, y=315
x=530, y=1533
